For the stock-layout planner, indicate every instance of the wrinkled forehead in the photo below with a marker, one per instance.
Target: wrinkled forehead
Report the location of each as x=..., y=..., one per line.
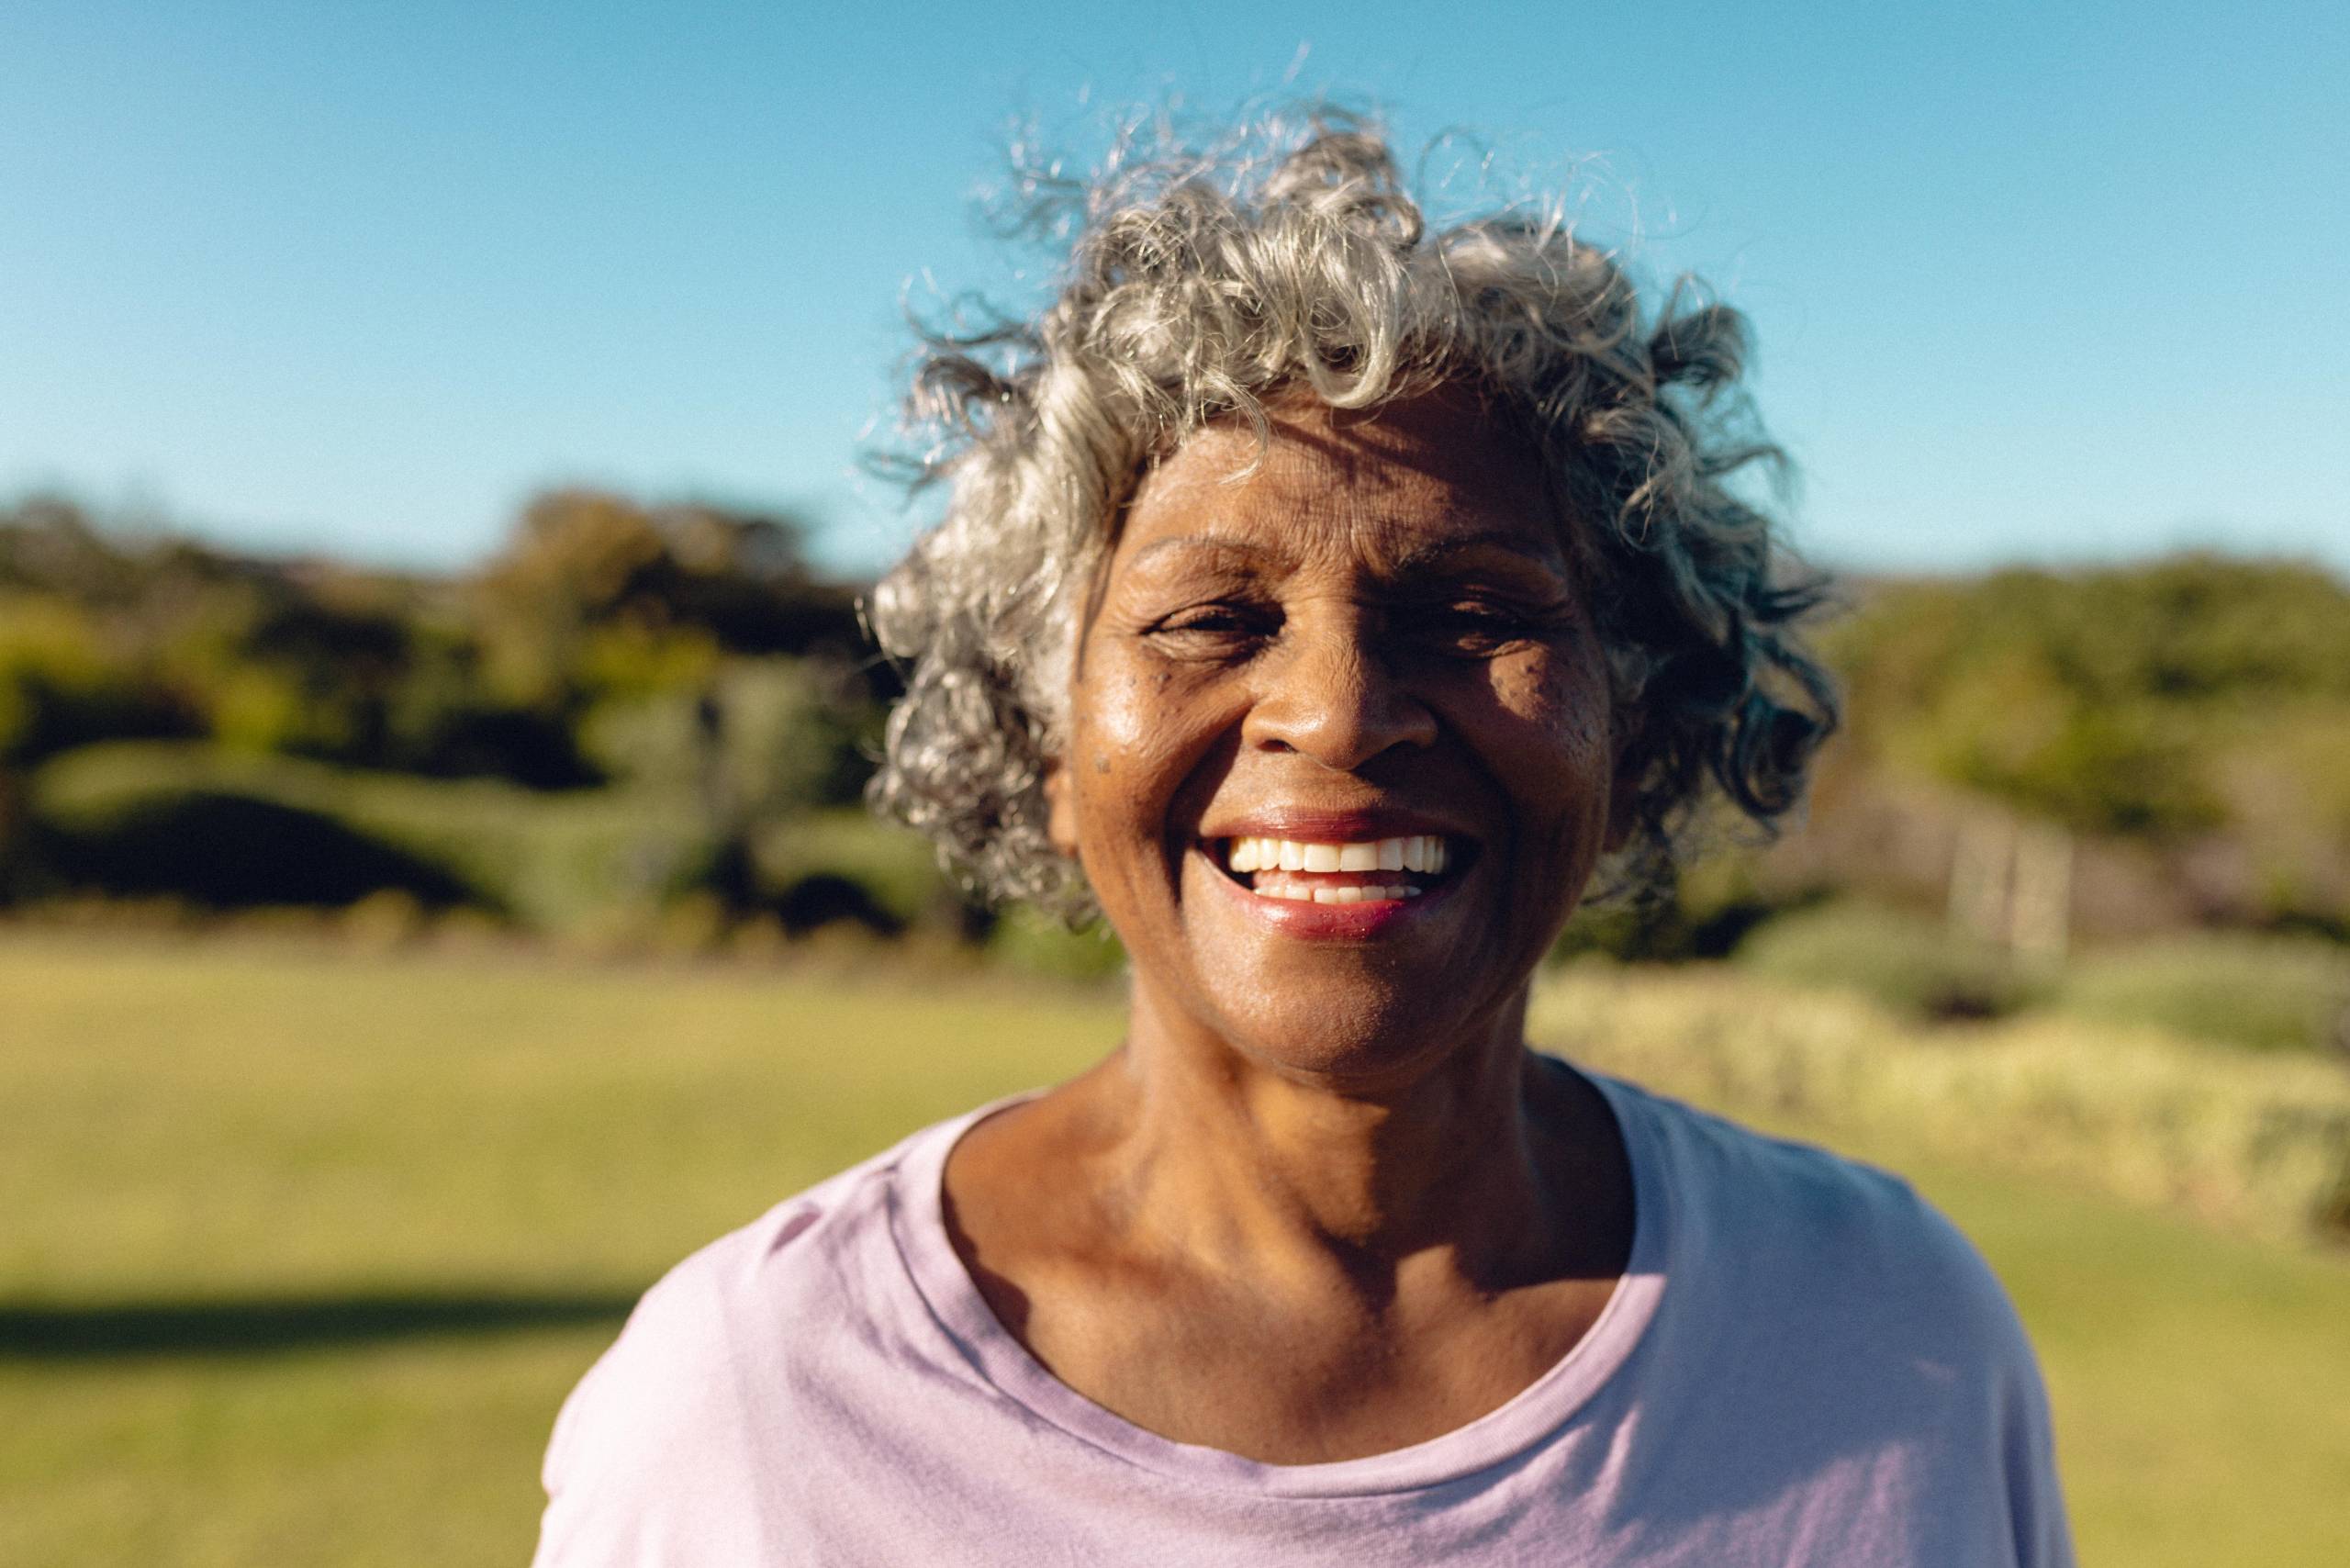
x=1386, y=489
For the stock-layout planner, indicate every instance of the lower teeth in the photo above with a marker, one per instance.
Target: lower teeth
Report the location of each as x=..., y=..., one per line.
x=1296, y=894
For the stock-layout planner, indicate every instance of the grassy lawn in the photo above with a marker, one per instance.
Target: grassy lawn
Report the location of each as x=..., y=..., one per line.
x=303, y=1248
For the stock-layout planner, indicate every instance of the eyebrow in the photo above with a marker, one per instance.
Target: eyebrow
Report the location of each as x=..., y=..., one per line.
x=1205, y=544
x=1434, y=553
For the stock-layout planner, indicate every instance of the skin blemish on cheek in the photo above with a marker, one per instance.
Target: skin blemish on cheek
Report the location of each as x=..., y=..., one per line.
x=1101, y=762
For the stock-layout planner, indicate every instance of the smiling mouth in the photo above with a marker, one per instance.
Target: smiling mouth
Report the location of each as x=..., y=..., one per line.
x=1376, y=871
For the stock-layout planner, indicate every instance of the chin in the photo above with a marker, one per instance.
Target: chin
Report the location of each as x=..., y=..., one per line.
x=1367, y=1030
x=1370, y=1011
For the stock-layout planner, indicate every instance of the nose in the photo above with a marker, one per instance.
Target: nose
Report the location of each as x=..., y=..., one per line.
x=1327, y=693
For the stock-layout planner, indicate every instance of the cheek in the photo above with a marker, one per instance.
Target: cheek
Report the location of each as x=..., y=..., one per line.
x=1135, y=739
x=1113, y=712
x=1552, y=735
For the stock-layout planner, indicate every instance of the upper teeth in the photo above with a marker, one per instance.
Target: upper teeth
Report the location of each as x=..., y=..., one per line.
x=1419, y=852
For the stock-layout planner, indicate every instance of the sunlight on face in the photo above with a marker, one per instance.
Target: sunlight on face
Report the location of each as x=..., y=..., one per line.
x=1372, y=651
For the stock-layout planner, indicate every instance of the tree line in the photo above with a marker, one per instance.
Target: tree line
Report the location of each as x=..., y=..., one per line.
x=2186, y=720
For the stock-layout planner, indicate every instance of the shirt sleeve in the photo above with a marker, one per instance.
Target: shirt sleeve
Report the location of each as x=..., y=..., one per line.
x=2035, y=1500
x=641, y=1470
x=2013, y=1434
x=2022, y=1426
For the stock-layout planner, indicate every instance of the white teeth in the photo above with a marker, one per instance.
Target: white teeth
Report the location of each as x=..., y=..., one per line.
x=1301, y=891
x=1413, y=852
x=1274, y=862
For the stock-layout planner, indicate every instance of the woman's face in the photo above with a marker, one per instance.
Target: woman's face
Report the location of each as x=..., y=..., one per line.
x=1339, y=755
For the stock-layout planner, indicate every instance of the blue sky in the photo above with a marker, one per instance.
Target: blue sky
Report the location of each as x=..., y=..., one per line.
x=2029, y=282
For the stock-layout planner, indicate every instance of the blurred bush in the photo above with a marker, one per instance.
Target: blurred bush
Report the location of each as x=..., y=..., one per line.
x=590, y=862
x=1712, y=901
x=2259, y=1142
x=632, y=704
x=218, y=850
x=61, y=687
x=2182, y=717
x=467, y=728
x=1024, y=940
x=109, y=635
x=2263, y=993
x=1909, y=964
x=2096, y=698
x=549, y=863
x=896, y=870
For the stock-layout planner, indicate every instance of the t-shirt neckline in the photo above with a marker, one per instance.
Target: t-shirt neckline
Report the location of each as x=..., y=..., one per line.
x=1542, y=1407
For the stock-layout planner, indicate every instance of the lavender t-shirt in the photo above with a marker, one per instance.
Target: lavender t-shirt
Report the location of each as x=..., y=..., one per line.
x=1804, y=1363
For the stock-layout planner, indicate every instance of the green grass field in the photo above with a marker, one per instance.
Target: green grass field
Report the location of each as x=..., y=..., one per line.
x=303, y=1246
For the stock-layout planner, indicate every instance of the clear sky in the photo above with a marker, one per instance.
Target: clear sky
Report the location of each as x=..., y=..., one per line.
x=2030, y=282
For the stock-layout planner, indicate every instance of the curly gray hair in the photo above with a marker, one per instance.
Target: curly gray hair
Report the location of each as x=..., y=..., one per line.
x=1200, y=281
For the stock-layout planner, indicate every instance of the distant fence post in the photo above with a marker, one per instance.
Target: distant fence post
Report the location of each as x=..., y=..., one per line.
x=2041, y=920
x=1980, y=863
x=2011, y=886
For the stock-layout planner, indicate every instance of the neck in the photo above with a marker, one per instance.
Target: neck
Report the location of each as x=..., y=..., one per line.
x=1227, y=1155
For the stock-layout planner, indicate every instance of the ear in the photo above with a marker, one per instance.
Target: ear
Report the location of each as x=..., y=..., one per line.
x=1060, y=809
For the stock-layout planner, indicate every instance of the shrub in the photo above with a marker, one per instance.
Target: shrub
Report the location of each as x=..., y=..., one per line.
x=827, y=898
x=221, y=850
x=1025, y=939
x=2266, y=993
x=896, y=870
x=2260, y=1143
x=1910, y=965
x=486, y=740
x=551, y=862
x=2098, y=698
x=60, y=687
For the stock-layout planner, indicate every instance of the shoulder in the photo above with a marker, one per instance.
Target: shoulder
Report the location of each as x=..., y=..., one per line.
x=1818, y=1299
x=1792, y=1224
x=660, y=1428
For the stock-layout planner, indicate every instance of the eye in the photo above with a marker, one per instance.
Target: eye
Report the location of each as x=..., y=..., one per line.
x=1212, y=631
x=1470, y=628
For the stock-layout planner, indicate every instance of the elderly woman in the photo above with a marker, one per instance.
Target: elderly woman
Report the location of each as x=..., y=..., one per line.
x=1323, y=601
